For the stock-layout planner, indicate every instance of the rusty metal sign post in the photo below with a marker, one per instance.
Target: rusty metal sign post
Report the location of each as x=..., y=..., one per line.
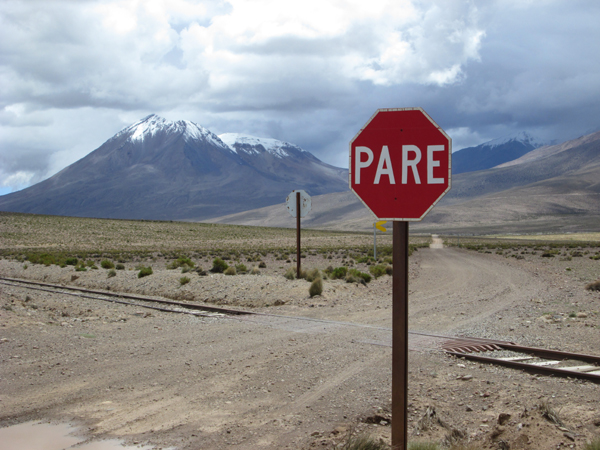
x=400, y=335
x=400, y=167
x=298, y=204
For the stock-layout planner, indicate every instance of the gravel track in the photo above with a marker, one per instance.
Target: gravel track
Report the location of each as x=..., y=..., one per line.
x=216, y=383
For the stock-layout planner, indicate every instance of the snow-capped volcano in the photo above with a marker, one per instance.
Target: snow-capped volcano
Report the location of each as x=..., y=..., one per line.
x=494, y=152
x=522, y=136
x=159, y=169
x=149, y=126
x=254, y=145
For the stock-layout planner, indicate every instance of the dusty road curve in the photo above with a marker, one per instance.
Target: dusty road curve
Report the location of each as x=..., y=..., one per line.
x=197, y=383
x=457, y=287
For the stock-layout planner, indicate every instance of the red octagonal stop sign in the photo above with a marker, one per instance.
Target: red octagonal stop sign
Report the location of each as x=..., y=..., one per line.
x=400, y=164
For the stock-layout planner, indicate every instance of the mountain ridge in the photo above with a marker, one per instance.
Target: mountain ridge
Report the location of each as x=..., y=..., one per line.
x=559, y=192
x=493, y=153
x=158, y=169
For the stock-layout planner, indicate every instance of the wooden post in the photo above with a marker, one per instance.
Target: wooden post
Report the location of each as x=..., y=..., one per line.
x=298, y=235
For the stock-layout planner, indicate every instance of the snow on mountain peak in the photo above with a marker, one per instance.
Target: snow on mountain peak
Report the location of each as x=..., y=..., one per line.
x=150, y=125
x=194, y=131
x=251, y=144
x=521, y=136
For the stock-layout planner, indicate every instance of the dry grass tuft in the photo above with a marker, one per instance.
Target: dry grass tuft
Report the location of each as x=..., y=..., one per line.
x=423, y=446
x=364, y=442
x=550, y=414
x=594, y=445
x=144, y=272
x=316, y=287
x=593, y=286
x=467, y=446
x=313, y=274
x=429, y=419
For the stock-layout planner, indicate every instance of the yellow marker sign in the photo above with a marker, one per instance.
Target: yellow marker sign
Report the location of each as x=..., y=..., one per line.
x=379, y=225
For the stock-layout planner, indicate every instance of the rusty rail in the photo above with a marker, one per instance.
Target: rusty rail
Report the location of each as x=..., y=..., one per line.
x=469, y=348
x=193, y=306
x=461, y=347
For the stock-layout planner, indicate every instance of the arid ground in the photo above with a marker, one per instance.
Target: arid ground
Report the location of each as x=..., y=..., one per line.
x=280, y=380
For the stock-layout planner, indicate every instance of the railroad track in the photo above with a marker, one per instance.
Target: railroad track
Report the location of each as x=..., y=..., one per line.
x=488, y=351
x=120, y=298
x=531, y=359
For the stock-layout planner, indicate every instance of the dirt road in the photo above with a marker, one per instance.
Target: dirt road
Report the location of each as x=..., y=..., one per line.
x=274, y=382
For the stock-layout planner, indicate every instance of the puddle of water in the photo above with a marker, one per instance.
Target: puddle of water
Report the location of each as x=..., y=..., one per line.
x=45, y=436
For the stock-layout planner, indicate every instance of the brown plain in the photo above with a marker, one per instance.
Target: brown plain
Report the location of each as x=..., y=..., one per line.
x=281, y=381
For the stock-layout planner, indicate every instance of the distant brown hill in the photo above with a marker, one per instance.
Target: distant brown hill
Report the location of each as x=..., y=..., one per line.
x=553, y=188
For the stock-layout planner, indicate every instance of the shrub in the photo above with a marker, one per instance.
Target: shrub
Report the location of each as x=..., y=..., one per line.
x=316, y=287
x=594, y=445
x=423, y=446
x=144, y=272
x=364, y=442
x=290, y=274
x=184, y=280
x=181, y=262
x=106, y=264
x=89, y=263
x=80, y=268
x=219, y=266
x=241, y=268
x=312, y=275
x=593, y=286
x=356, y=276
x=255, y=271
x=47, y=259
x=262, y=265
x=112, y=273
x=230, y=271
x=71, y=261
x=120, y=267
x=378, y=270
x=339, y=273
x=365, y=259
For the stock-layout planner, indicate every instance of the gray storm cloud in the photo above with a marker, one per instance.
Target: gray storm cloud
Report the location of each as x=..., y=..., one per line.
x=75, y=72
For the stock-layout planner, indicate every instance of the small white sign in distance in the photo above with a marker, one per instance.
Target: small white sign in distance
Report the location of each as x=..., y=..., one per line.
x=305, y=203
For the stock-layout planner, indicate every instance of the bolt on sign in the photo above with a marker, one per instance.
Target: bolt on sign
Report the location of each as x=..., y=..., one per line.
x=400, y=167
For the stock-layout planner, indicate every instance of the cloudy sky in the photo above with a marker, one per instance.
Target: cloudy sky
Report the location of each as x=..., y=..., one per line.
x=311, y=72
